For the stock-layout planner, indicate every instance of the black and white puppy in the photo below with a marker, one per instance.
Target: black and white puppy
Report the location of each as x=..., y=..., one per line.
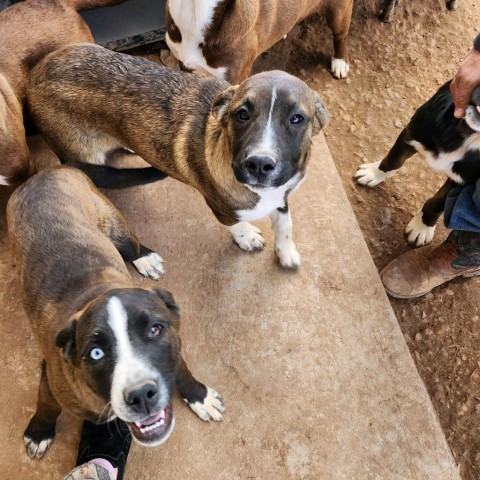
x=448, y=145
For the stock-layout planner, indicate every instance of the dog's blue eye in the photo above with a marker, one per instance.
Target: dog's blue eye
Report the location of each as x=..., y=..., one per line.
x=155, y=331
x=296, y=119
x=96, y=353
x=242, y=114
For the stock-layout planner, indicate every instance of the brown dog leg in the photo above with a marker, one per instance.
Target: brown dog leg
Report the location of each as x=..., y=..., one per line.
x=41, y=430
x=203, y=400
x=421, y=227
x=338, y=20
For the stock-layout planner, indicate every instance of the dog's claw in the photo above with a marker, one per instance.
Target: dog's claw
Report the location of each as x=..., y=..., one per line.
x=211, y=408
x=339, y=68
x=150, y=266
x=247, y=237
x=370, y=175
x=419, y=234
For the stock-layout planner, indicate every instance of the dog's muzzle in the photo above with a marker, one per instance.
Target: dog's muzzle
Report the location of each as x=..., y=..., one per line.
x=257, y=170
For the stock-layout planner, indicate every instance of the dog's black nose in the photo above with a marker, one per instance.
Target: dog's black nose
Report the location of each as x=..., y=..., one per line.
x=141, y=398
x=260, y=166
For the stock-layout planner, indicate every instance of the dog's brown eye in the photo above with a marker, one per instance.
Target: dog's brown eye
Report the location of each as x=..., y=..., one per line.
x=243, y=115
x=296, y=119
x=155, y=331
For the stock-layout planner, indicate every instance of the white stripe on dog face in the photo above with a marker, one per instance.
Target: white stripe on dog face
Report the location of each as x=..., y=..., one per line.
x=268, y=138
x=130, y=367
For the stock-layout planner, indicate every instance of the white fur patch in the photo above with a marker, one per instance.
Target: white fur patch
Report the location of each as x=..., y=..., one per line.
x=419, y=234
x=247, y=236
x=4, y=180
x=339, y=68
x=211, y=407
x=270, y=199
x=284, y=247
x=130, y=368
x=192, y=18
x=150, y=266
x=445, y=160
x=34, y=449
x=370, y=175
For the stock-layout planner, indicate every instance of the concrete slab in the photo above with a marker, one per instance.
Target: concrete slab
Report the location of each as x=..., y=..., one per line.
x=312, y=365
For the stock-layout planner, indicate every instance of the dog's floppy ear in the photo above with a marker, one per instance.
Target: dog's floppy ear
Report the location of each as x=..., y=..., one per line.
x=66, y=340
x=169, y=301
x=222, y=102
x=320, y=119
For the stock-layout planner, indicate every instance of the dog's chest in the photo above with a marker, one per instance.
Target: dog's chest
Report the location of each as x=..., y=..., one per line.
x=192, y=18
x=445, y=161
x=269, y=200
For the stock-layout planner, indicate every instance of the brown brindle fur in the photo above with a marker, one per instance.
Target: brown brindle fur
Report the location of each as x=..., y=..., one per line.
x=243, y=29
x=28, y=31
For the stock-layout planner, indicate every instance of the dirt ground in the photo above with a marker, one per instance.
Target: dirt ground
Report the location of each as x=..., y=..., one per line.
x=394, y=69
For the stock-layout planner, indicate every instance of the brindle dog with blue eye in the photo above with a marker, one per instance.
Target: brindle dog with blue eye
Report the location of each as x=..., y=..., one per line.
x=109, y=349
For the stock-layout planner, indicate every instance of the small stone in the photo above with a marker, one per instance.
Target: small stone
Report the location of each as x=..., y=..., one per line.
x=449, y=292
x=418, y=337
x=398, y=123
x=428, y=332
x=348, y=81
x=303, y=73
x=396, y=196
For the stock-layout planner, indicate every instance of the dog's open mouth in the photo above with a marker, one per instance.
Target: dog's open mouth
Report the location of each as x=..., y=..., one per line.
x=155, y=429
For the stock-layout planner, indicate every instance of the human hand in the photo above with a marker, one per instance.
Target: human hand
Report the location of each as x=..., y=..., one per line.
x=466, y=79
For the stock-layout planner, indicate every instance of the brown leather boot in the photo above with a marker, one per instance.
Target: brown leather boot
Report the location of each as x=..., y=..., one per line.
x=416, y=272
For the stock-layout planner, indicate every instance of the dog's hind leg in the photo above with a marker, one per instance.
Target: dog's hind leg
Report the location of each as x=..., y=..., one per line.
x=284, y=247
x=41, y=430
x=421, y=228
x=204, y=401
x=371, y=174
x=338, y=19
x=386, y=13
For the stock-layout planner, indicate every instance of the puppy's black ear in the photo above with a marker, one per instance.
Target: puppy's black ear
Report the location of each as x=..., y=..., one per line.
x=320, y=119
x=169, y=301
x=222, y=102
x=66, y=340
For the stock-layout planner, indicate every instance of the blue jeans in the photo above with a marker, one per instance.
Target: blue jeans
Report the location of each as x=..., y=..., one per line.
x=462, y=208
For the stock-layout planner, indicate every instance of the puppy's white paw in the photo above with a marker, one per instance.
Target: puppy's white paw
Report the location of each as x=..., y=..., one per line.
x=287, y=255
x=247, y=236
x=419, y=234
x=370, y=175
x=150, y=266
x=211, y=408
x=34, y=449
x=339, y=68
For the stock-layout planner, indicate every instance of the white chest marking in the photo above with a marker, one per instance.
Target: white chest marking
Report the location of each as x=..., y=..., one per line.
x=130, y=368
x=270, y=199
x=192, y=17
x=445, y=160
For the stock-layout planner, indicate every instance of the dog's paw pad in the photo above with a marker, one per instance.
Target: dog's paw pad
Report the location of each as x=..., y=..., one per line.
x=211, y=408
x=339, y=68
x=419, y=234
x=288, y=255
x=247, y=237
x=36, y=449
x=150, y=266
x=370, y=175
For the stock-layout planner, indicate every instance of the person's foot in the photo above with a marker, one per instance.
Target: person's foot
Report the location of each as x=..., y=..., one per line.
x=89, y=471
x=416, y=272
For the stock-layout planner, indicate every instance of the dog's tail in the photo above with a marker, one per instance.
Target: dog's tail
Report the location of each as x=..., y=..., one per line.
x=110, y=177
x=80, y=5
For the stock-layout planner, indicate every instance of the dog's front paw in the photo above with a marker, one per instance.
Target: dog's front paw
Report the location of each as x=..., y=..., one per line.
x=210, y=408
x=370, y=175
x=419, y=234
x=288, y=255
x=37, y=448
x=247, y=237
x=339, y=68
x=150, y=266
